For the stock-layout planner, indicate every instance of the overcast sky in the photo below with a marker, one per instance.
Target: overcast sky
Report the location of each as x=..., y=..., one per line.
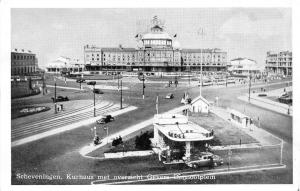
x=242, y=32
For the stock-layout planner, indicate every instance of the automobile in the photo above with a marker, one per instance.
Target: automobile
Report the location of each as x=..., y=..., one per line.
x=60, y=98
x=169, y=96
x=91, y=83
x=97, y=91
x=105, y=119
x=80, y=80
x=207, y=83
x=205, y=159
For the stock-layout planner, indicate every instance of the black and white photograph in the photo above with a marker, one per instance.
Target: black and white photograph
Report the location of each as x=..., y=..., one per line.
x=151, y=95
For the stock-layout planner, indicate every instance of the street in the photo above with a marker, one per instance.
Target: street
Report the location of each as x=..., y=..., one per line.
x=59, y=154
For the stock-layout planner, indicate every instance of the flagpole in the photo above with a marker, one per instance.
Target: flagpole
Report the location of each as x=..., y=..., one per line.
x=156, y=104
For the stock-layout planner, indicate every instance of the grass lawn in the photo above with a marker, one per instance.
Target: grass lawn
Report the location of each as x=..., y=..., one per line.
x=225, y=133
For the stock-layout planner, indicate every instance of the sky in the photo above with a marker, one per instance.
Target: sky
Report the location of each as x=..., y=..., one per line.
x=242, y=32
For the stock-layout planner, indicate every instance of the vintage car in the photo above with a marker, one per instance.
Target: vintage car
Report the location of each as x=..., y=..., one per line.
x=97, y=91
x=105, y=119
x=60, y=99
x=204, y=159
x=170, y=96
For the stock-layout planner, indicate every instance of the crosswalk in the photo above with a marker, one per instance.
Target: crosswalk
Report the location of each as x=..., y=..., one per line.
x=61, y=120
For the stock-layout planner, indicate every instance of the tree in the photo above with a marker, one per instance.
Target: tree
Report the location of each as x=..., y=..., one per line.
x=143, y=141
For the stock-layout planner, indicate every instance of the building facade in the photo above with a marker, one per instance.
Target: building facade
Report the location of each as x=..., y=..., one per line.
x=244, y=66
x=156, y=51
x=23, y=62
x=65, y=65
x=279, y=63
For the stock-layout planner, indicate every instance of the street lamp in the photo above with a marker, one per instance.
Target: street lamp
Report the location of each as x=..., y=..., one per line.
x=105, y=128
x=93, y=83
x=121, y=106
x=249, y=86
x=142, y=78
x=44, y=84
x=118, y=81
x=55, y=106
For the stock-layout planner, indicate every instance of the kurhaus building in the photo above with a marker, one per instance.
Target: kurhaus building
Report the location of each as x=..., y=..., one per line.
x=23, y=62
x=156, y=51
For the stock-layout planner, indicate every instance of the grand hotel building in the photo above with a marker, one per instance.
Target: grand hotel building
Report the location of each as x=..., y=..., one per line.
x=156, y=51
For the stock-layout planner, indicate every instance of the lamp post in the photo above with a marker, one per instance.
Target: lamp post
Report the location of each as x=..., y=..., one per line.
x=118, y=81
x=105, y=128
x=249, y=86
x=93, y=83
x=121, y=106
x=55, y=106
x=143, y=79
x=44, y=84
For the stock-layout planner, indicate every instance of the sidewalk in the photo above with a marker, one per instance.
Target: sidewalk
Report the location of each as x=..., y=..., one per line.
x=269, y=104
x=67, y=88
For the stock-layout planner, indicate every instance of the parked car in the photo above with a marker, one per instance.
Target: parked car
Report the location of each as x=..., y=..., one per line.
x=91, y=83
x=97, y=91
x=170, y=96
x=207, y=83
x=205, y=159
x=80, y=80
x=60, y=98
x=105, y=119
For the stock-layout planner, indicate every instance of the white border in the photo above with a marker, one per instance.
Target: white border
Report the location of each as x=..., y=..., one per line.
x=5, y=81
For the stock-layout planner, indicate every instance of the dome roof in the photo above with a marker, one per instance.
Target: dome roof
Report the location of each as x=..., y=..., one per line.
x=157, y=36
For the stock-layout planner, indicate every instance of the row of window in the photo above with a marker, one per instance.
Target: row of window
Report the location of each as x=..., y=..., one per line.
x=199, y=56
x=23, y=63
x=158, y=42
x=23, y=57
x=198, y=64
x=22, y=70
x=186, y=64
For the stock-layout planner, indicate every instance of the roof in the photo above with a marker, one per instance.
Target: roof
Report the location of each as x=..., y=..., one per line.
x=200, y=98
x=190, y=50
x=239, y=59
x=237, y=113
x=115, y=49
x=21, y=51
x=185, y=132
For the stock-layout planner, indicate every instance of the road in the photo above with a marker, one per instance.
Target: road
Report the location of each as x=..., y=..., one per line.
x=58, y=154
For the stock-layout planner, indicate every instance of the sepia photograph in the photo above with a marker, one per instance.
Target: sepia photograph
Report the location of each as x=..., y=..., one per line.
x=135, y=96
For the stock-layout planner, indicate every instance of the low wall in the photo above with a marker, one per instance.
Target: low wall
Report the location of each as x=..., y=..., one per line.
x=128, y=154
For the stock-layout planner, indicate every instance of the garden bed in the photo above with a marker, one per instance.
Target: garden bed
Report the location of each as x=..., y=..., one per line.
x=29, y=110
